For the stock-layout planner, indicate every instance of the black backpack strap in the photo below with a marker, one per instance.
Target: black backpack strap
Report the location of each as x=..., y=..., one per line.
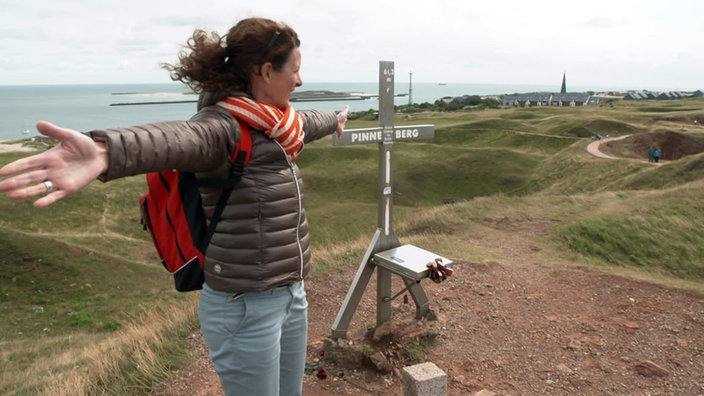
x=222, y=202
x=239, y=160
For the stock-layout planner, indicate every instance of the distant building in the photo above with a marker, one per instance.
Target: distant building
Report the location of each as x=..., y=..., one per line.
x=670, y=95
x=570, y=99
x=562, y=99
x=638, y=95
x=532, y=99
x=527, y=99
x=573, y=99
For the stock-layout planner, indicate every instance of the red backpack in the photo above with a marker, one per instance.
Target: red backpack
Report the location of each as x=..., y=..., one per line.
x=172, y=212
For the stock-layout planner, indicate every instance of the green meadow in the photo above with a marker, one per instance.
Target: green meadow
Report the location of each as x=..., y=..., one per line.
x=88, y=309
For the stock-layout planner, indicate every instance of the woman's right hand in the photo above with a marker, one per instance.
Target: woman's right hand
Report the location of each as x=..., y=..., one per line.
x=70, y=166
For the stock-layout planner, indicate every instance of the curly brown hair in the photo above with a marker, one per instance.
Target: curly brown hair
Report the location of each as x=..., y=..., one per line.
x=211, y=63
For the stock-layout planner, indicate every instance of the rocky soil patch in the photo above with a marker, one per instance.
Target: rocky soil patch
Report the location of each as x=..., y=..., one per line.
x=510, y=330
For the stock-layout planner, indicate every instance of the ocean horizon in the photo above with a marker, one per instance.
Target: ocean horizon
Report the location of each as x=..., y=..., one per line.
x=88, y=107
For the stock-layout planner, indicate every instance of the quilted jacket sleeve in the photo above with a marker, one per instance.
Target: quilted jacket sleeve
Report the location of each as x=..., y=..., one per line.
x=318, y=124
x=201, y=144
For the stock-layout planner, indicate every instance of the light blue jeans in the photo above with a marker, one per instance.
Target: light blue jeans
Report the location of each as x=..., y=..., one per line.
x=257, y=340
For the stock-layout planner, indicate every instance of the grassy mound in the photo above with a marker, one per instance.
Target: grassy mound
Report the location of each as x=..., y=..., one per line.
x=84, y=296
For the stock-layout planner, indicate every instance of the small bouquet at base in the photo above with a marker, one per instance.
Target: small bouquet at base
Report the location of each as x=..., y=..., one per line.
x=437, y=271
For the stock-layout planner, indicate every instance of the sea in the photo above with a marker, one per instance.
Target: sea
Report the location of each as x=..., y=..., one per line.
x=88, y=107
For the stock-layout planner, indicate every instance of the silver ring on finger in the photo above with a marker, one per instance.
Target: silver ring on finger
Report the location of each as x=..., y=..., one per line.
x=49, y=186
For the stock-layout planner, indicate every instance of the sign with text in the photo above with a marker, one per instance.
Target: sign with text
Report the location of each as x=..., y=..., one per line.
x=376, y=135
x=384, y=238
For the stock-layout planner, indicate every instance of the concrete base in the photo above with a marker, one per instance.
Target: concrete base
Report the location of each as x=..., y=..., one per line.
x=425, y=379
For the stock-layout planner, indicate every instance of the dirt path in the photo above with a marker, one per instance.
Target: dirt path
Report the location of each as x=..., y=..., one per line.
x=514, y=328
x=593, y=147
x=13, y=147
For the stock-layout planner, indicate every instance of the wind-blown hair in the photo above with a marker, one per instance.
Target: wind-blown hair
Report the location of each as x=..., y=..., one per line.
x=211, y=63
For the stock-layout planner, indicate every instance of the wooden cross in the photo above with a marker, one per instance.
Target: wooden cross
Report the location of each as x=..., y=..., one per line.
x=384, y=252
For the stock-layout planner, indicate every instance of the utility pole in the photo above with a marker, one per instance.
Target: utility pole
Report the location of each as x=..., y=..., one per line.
x=410, y=88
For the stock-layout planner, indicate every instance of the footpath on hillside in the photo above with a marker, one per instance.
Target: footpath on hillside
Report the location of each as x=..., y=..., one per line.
x=593, y=147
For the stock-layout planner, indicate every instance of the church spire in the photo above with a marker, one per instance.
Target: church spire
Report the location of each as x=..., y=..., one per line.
x=564, y=84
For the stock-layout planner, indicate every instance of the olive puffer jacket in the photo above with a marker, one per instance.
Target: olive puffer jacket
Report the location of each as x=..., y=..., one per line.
x=262, y=239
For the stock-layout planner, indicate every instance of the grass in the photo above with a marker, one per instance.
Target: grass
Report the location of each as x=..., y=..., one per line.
x=652, y=231
x=416, y=352
x=88, y=309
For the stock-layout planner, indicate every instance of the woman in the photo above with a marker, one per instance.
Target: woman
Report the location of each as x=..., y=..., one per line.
x=252, y=308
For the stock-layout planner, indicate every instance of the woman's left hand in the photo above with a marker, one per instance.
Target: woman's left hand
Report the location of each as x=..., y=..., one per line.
x=342, y=120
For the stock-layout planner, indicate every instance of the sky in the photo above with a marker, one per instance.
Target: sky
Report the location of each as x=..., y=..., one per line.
x=614, y=44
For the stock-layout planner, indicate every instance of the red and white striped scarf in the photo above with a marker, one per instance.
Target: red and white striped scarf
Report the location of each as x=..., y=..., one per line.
x=286, y=126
